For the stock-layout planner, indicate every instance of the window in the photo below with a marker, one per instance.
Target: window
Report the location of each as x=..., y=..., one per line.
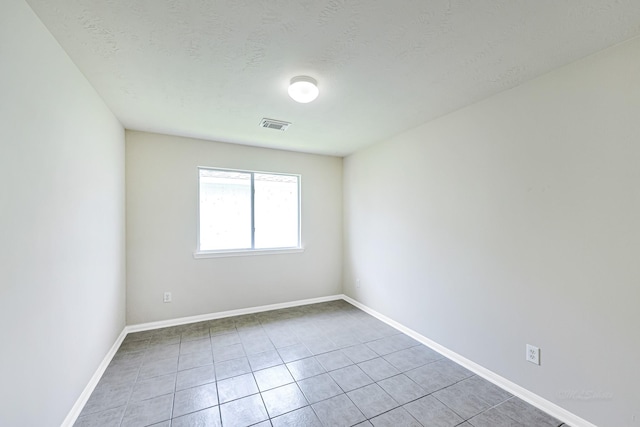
x=248, y=211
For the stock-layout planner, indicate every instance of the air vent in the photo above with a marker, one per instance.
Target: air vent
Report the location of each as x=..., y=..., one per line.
x=275, y=124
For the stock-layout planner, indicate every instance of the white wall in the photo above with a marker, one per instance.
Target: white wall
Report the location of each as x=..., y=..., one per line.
x=514, y=221
x=62, y=289
x=162, y=194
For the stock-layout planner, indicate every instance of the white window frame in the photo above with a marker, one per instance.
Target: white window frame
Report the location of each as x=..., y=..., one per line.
x=198, y=253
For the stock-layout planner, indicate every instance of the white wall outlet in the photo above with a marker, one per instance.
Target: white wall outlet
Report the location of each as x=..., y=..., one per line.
x=167, y=297
x=533, y=354
x=358, y=283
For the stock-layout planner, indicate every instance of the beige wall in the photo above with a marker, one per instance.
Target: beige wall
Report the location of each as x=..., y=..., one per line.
x=515, y=221
x=162, y=194
x=62, y=289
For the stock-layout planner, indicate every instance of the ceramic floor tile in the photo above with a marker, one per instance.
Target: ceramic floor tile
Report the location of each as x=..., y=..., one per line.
x=232, y=368
x=378, y=369
x=195, y=377
x=344, y=339
x=196, y=334
x=120, y=376
x=319, y=388
x=148, y=412
x=402, y=389
x=494, y=418
x=133, y=346
x=209, y=417
x=366, y=335
x=412, y=358
x=430, y=412
x=154, y=368
x=469, y=397
x=258, y=346
x=372, y=400
x=283, y=399
x=284, y=340
x=319, y=345
x=333, y=360
x=195, y=346
x=166, y=336
x=526, y=414
x=195, y=399
x=265, y=360
x=298, y=418
x=491, y=393
x=106, y=396
x=162, y=352
x=392, y=343
x=273, y=377
x=229, y=352
x=438, y=375
x=108, y=418
x=220, y=327
x=243, y=412
x=138, y=336
x=254, y=333
x=338, y=411
x=132, y=359
x=398, y=417
x=305, y=368
x=359, y=353
x=195, y=360
x=350, y=378
x=248, y=355
x=220, y=341
x=236, y=387
x=294, y=352
x=153, y=387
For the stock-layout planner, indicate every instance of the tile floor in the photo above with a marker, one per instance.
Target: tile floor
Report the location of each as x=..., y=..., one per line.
x=326, y=364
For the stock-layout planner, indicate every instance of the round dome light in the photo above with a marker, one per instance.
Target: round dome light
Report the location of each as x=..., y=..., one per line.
x=303, y=89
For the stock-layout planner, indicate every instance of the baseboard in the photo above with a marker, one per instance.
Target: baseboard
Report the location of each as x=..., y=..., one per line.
x=73, y=415
x=230, y=313
x=513, y=388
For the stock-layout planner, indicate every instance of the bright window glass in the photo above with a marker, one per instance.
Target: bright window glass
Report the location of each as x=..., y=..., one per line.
x=241, y=210
x=276, y=211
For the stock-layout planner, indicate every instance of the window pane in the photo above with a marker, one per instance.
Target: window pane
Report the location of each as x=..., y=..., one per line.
x=276, y=211
x=225, y=210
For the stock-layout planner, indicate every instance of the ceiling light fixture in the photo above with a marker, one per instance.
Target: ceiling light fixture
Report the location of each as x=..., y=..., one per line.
x=303, y=89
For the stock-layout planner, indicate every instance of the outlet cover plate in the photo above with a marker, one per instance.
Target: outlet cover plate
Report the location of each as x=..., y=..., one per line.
x=167, y=297
x=533, y=354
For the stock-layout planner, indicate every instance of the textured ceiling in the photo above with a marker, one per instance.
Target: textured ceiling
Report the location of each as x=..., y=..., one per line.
x=212, y=69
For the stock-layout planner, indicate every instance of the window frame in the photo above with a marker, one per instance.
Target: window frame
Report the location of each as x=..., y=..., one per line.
x=199, y=253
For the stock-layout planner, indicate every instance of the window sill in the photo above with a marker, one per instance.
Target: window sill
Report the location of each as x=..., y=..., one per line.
x=245, y=252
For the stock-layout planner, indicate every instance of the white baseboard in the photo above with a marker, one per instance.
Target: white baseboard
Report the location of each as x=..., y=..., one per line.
x=513, y=388
x=73, y=415
x=230, y=313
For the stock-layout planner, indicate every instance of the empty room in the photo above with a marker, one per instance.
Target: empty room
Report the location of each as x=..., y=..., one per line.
x=320, y=213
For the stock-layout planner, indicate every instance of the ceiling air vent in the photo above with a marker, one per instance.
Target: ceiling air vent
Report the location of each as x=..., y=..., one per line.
x=275, y=124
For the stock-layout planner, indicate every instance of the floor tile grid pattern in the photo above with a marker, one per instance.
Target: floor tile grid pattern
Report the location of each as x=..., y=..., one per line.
x=327, y=364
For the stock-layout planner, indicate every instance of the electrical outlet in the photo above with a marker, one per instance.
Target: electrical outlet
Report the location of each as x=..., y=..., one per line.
x=167, y=297
x=358, y=284
x=533, y=354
